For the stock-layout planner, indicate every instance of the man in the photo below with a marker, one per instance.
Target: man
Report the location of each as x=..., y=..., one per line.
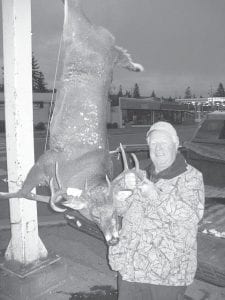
x=157, y=254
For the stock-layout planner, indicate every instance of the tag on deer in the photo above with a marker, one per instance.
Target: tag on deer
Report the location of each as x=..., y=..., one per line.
x=74, y=192
x=73, y=200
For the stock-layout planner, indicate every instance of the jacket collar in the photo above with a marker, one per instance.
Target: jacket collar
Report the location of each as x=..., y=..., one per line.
x=178, y=167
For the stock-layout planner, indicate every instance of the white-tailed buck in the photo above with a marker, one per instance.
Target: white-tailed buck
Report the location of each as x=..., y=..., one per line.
x=78, y=166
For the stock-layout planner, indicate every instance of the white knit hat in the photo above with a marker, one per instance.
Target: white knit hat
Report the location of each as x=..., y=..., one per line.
x=166, y=127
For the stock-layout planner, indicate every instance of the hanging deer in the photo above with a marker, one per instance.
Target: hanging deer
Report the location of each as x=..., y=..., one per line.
x=78, y=167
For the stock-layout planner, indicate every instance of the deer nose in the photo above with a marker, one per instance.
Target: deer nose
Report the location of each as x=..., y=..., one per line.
x=113, y=241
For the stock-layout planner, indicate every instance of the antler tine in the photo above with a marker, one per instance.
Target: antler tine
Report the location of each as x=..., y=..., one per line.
x=57, y=175
x=54, y=197
x=136, y=162
x=108, y=181
x=86, y=186
x=124, y=157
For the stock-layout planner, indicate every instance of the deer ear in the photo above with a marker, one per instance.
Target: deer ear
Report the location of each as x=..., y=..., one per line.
x=123, y=195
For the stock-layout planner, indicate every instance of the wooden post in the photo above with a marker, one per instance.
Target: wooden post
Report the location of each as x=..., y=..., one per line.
x=25, y=246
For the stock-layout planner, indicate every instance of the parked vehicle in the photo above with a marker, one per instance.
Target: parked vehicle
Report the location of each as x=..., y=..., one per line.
x=206, y=152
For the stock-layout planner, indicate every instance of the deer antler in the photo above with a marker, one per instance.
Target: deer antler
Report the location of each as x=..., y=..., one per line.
x=136, y=162
x=124, y=157
x=108, y=181
x=56, y=196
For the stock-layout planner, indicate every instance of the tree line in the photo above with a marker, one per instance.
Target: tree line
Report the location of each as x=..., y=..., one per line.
x=39, y=85
x=135, y=93
x=132, y=93
x=220, y=92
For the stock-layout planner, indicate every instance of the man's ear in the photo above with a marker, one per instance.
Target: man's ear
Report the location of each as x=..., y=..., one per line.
x=123, y=195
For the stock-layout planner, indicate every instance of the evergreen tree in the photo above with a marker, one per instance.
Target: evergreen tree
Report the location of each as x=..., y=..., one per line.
x=120, y=93
x=220, y=92
x=113, y=98
x=128, y=94
x=187, y=94
x=136, y=93
x=153, y=95
x=42, y=86
x=170, y=99
x=35, y=73
x=38, y=80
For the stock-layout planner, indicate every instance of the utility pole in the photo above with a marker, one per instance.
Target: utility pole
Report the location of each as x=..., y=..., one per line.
x=25, y=246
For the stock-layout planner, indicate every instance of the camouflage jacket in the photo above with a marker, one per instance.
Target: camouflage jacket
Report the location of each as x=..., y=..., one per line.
x=158, y=237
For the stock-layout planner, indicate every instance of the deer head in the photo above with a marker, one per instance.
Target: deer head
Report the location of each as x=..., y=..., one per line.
x=100, y=201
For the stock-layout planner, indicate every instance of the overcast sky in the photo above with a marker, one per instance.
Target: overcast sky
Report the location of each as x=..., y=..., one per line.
x=180, y=43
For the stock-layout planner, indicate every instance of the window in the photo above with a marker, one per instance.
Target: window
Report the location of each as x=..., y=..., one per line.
x=211, y=130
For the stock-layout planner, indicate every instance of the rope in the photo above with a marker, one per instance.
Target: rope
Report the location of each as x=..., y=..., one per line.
x=52, y=97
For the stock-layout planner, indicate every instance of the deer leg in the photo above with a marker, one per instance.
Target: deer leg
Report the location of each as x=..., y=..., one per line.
x=35, y=177
x=124, y=60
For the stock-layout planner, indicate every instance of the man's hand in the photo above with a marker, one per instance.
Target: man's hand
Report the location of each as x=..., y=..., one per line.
x=148, y=189
x=130, y=181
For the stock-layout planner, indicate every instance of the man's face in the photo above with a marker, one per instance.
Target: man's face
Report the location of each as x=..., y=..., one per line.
x=162, y=149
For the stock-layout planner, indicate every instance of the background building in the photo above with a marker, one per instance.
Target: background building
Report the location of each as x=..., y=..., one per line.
x=143, y=112
x=201, y=106
x=41, y=109
x=129, y=111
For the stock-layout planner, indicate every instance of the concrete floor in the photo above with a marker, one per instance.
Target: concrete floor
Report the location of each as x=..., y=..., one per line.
x=85, y=265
